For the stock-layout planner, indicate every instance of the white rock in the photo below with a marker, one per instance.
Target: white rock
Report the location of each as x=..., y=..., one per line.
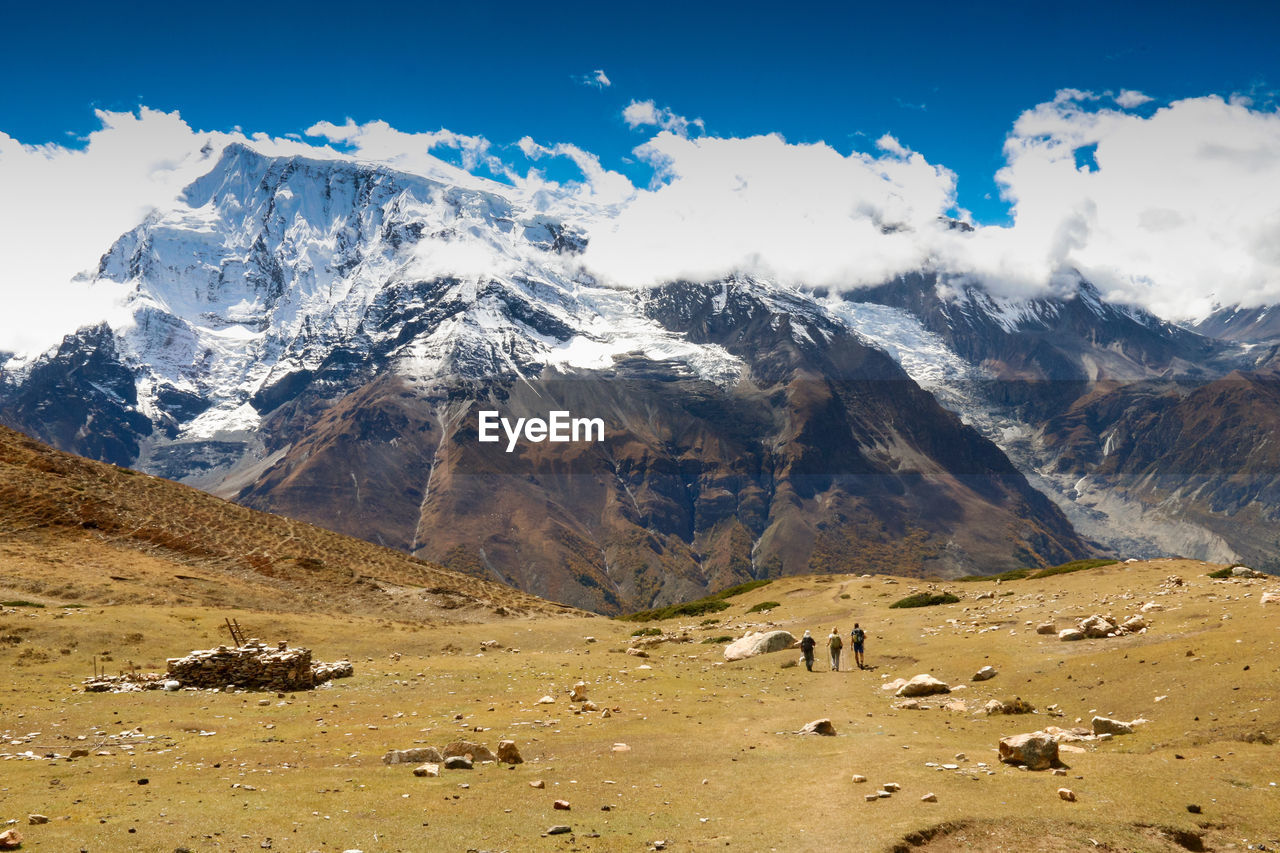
x=754, y=644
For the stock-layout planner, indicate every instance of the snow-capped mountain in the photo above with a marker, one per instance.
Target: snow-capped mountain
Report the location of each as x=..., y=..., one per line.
x=316, y=337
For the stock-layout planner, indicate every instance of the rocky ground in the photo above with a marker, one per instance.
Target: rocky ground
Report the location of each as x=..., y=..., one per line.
x=656, y=741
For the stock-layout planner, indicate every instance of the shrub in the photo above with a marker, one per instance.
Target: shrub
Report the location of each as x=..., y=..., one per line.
x=1221, y=573
x=721, y=639
x=647, y=632
x=925, y=599
x=762, y=606
x=20, y=603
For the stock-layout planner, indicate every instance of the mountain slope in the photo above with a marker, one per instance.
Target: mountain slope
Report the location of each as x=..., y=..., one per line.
x=86, y=531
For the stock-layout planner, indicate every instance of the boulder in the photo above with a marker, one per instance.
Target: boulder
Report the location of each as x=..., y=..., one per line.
x=477, y=751
x=1096, y=627
x=1108, y=726
x=923, y=685
x=10, y=839
x=457, y=762
x=417, y=755
x=758, y=644
x=893, y=685
x=1046, y=628
x=819, y=727
x=995, y=706
x=36, y=819
x=561, y=805
x=1135, y=624
x=1067, y=794
x=509, y=753
x=985, y=673
x=638, y=653
x=427, y=770
x=1270, y=598
x=1245, y=572
x=1150, y=606
x=1070, y=634
x=1037, y=750
x=578, y=693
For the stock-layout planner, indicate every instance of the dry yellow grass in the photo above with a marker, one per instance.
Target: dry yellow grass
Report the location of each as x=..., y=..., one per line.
x=712, y=761
x=74, y=530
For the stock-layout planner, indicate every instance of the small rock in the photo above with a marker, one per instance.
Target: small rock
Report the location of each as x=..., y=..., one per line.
x=457, y=762
x=858, y=777
x=639, y=653
x=1108, y=726
x=10, y=839
x=929, y=798
x=509, y=753
x=36, y=819
x=1096, y=627
x=985, y=673
x=871, y=798
x=79, y=752
x=547, y=700
x=819, y=727
x=620, y=747
x=559, y=829
x=1036, y=750
x=891, y=787
x=1058, y=771
x=1067, y=794
x=561, y=805
x=1193, y=808
x=922, y=685
x=578, y=693
x=427, y=770
x=1069, y=634
x=538, y=783
x=1046, y=628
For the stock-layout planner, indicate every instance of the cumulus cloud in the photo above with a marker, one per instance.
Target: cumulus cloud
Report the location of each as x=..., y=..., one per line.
x=599, y=186
x=647, y=114
x=62, y=208
x=379, y=142
x=1177, y=213
x=800, y=214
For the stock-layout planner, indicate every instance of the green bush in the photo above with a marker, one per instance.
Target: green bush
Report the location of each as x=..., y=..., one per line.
x=764, y=605
x=1221, y=573
x=721, y=639
x=647, y=632
x=925, y=599
x=730, y=592
x=1012, y=575
x=20, y=603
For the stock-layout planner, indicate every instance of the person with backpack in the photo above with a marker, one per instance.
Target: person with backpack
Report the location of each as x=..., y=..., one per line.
x=835, y=644
x=859, y=638
x=807, y=645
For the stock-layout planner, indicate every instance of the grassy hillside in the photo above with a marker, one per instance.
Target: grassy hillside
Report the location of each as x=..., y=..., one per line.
x=73, y=530
x=711, y=760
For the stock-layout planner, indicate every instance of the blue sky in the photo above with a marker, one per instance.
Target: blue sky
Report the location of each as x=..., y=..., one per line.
x=947, y=79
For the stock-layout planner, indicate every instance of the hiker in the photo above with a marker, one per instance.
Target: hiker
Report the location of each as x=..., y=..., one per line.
x=806, y=647
x=836, y=644
x=859, y=637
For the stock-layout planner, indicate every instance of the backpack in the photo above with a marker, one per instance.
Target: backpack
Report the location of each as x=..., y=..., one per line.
x=836, y=642
x=859, y=635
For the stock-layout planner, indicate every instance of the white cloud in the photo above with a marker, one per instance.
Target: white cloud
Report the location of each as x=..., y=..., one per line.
x=597, y=78
x=599, y=186
x=802, y=214
x=647, y=114
x=1130, y=98
x=379, y=142
x=1180, y=213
